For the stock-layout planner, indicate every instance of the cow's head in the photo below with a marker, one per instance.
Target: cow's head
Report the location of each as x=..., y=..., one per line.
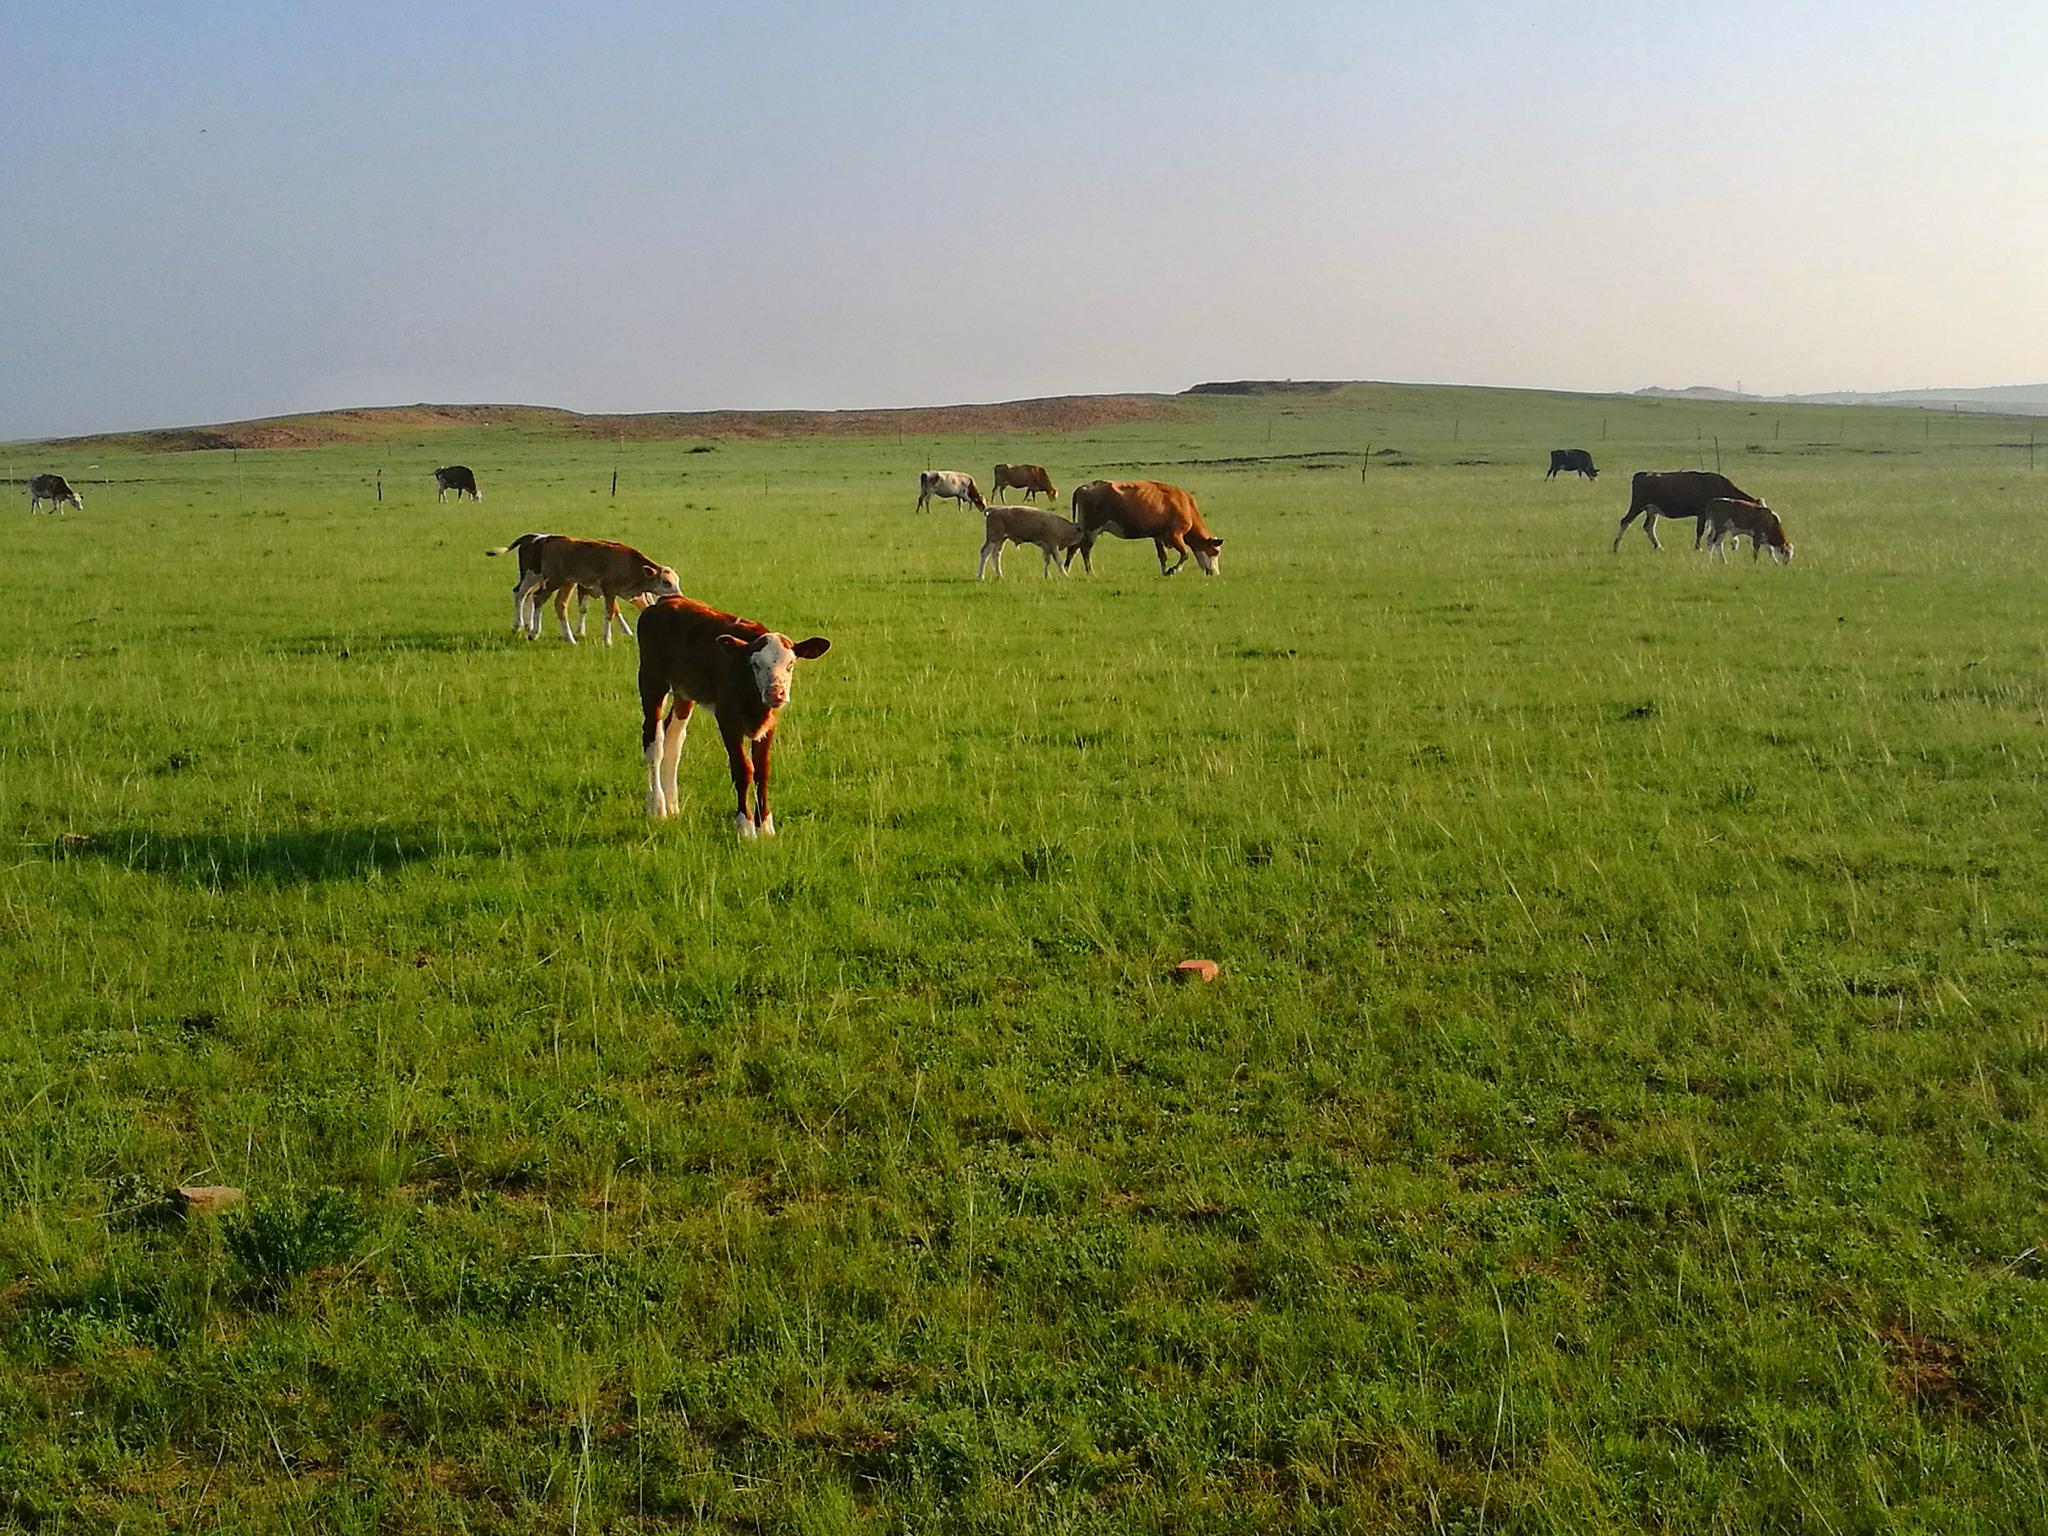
x=660, y=581
x=1771, y=534
x=1206, y=553
x=772, y=662
x=1592, y=473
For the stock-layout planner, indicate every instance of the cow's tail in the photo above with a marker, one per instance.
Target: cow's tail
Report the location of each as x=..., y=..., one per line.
x=519, y=543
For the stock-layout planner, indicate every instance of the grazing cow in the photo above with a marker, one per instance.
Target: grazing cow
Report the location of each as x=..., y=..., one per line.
x=1569, y=459
x=948, y=482
x=742, y=670
x=54, y=489
x=1143, y=509
x=1028, y=478
x=1675, y=494
x=1727, y=518
x=457, y=478
x=528, y=547
x=551, y=564
x=1054, y=535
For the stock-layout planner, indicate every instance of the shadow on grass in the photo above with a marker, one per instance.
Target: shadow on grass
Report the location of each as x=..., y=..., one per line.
x=229, y=860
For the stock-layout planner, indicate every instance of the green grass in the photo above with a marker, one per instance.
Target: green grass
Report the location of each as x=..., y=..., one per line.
x=1619, y=1108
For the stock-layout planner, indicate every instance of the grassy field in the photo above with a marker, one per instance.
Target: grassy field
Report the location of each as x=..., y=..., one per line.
x=1620, y=1106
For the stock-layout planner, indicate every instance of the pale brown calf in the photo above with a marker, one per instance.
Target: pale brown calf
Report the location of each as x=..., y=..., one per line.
x=595, y=565
x=1053, y=534
x=1727, y=518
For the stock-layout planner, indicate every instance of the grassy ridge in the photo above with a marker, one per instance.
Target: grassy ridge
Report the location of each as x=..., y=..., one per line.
x=1619, y=1107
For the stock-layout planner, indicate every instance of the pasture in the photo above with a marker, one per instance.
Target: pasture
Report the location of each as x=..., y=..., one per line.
x=1619, y=1107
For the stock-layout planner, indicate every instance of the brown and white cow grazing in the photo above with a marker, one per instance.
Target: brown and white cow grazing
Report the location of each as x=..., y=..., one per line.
x=1144, y=509
x=1726, y=518
x=1675, y=494
x=744, y=671
x=457, y=478
x=54, y=489
x=1053, y=534
x=1028, y=478
x=951, y=483
x=528, y=547
x=551, y=564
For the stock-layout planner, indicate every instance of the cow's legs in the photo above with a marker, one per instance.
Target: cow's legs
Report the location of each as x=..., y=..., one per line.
x=1177, y=543
x=764, y=819
x=742, y=775
x=526, y=600
x=1630, y=516
x=992, y=549
x=562, y=611
x=653, y=747
x=672, y=750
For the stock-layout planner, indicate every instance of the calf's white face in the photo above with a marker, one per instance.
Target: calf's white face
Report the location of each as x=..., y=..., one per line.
x=774, y=665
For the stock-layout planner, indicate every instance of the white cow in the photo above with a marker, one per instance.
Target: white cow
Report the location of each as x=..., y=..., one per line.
x=950, y=483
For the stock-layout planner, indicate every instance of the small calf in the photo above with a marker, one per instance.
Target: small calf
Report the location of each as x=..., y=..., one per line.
x=1725, y=518
x=1053, y=534
x=743, y=670
x=528, y=546
x=595, y=565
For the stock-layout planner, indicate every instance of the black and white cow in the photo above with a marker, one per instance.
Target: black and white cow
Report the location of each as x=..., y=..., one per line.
x=54, y=489
x=1570, y=459
x=459, y=479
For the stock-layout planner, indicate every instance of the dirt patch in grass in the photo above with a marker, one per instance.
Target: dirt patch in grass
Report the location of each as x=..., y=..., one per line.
x=1931, y=1373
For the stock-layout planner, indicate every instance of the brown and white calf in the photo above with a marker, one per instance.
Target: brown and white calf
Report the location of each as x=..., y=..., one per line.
x=528, y=547
x=1053, y=534
x=1674, y=494
x=1144, y=509
x=54, y=489
x=551, y=564
x=1028, y=478
x=1728, y=518
x=693, y=654
x=950, y=483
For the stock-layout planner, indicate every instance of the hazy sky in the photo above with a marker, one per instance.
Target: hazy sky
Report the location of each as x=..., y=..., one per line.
x=217, y=211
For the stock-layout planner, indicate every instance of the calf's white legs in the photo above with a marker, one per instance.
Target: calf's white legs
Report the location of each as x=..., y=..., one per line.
x=657, y=802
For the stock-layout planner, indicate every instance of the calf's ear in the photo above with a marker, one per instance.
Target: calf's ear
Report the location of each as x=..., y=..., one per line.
x=813, y=648
x=733, y=642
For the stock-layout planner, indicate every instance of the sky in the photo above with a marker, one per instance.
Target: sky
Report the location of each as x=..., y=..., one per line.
x=233, y=210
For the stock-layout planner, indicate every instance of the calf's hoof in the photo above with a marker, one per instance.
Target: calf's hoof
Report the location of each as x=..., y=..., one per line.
x=744, y=825
x=767, y=827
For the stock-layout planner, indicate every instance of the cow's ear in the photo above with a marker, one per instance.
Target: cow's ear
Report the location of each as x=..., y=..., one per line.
x=813, y=648
x=733, y=642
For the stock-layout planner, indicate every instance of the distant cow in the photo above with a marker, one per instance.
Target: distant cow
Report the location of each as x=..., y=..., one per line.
x=743, y=670
x=951, y=483
x=1675, y=494
x=596, y=565
x=54, y=489
x=1727, y=519
x=1028, y=478
x=456, y=478
x=1143, y=509
x=1569, y=459
x=1054, y=535
x=528, y=547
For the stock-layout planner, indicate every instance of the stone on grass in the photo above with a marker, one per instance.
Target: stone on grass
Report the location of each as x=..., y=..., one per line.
x=1195, y=970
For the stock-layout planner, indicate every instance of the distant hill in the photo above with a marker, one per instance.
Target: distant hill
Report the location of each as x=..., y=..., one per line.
x=369, y=424
x=1995, y=399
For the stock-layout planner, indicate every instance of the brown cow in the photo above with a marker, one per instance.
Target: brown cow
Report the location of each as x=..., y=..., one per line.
x=599, y=565
x=1144, y=509
x=528, y=547
x=1726, y=518
x=743, y=670
x=1675, y=494
x=1028, y=478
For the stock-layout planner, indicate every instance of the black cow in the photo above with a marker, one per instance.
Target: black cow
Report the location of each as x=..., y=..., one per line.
x=1675, y=494
x=54, y=489
x=1568, y=459
x=456, y=478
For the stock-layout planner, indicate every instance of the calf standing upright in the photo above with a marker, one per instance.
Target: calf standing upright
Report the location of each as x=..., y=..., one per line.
x=743, y=670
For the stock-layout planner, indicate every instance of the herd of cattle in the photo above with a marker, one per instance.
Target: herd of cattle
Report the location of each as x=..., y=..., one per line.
x=691, y=653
